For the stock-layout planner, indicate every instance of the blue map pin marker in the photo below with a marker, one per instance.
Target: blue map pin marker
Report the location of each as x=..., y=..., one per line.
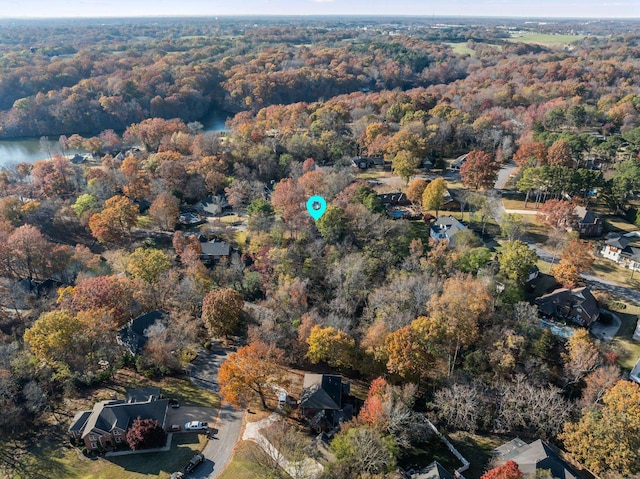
x=316, y=206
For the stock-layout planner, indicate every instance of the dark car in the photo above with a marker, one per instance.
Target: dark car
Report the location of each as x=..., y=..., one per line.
x=174, y=403
x=193, y=463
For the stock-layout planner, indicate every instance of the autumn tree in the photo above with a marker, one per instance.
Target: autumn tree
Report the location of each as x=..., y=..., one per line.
x=112, y=293
x=52, y=338
x=415, y=189
x=479, y=171
x=516, y=260
x=531, y=154
x=597, y=383
x=558, y=214
x=404, y=164
x=461, y=406
x=464, y=304
x=115, y=221
x=578, y=253
x=559, y=154
x=146, y=434
x=508, y=470
x=582, y=357
x=164, y=211
x=148, y=264
x=433, y=195
x=363, y=449
x=566, y=274
x=332, y=346
x=607, y=438
x=222, y=311
x=250, y=370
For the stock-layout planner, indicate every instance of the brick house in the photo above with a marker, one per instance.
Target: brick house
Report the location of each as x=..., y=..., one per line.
x=576, y=305
x=106, y=425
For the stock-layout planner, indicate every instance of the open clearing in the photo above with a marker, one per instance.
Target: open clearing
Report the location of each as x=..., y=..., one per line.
x=546, y=39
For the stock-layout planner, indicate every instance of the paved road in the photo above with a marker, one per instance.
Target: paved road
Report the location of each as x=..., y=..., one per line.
x=594, y=281
x=219, y=450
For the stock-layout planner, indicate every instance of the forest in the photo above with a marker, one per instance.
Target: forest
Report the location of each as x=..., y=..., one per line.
x=450, y=334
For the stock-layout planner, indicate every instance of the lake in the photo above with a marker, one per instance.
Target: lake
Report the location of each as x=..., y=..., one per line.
x=28, y=149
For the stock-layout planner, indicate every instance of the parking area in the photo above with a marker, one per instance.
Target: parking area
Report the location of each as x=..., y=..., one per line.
x=185, y=414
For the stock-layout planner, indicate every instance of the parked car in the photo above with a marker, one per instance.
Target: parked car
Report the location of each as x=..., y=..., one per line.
x=193, y=463
x=196, y=426
x=174, y=428
x=174, y=403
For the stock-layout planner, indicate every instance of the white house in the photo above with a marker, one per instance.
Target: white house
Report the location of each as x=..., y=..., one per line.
x=624, y=250
x=445, y=228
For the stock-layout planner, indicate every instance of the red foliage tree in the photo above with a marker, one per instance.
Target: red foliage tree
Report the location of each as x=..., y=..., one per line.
x=508, y=470
x=480, y=170
x=146, y=434
x=111, y=293
x=557, y=213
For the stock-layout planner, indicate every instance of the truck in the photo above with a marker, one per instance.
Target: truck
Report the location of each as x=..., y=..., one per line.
x=194, y=462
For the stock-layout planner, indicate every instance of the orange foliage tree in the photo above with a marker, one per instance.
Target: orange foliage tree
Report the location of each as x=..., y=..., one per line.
x=251, y=370
x=508, y=470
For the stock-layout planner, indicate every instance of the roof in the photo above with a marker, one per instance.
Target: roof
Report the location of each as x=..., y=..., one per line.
x=107, y=415
x=432, y=471
x=569, y=299
x=585, y=216
x=445, y=227
x=215, y=248
x=618, y=242
x=321, y=391
x=134, y=335
x=142, y=394
x=535, y=456
x=79, y=420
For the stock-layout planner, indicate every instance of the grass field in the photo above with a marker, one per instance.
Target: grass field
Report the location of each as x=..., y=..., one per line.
x=607, y=269
x=461, y=49
x=476, y=449
x=243, y=464
x=627, y=349
x=546, y=39
x=49, y=461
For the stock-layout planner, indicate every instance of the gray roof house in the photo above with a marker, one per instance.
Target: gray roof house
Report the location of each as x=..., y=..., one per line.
x=537, y=456
x=323, y=400
x=432, y=471
x=135, y=334
x=214, y=250
x=577, y=305
x=623, y=249
x=445, y=228
x=107, y=423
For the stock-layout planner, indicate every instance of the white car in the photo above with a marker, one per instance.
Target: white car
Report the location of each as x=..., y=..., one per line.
x=196, y=426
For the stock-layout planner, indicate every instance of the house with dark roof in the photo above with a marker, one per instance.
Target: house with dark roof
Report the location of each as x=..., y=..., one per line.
x=325, y=400
x=106, y=425
x=215, y=250
x=445, y=228
x=435, y=470
x=588, y=224
x=623, y=249
x=537, y=456
x=135, y=334
x=577, y=305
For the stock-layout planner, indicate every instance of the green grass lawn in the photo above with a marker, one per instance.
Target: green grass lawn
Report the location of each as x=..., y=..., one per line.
x=607, y=269
x=243, y=464
x=461, y=49
x=476, y=449
x=55, y=461
x=546, y=39
x=628, y=350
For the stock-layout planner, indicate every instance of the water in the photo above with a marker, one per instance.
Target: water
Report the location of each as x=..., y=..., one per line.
x=27, y=150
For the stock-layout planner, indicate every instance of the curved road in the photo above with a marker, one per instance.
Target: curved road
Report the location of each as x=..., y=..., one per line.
x=218, y=451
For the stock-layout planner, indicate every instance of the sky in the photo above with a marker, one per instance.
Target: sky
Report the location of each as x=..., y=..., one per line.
x=490, y=8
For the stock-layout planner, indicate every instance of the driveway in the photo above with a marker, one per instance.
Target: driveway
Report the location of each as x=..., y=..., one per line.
x=228, y=423
x=185, y=414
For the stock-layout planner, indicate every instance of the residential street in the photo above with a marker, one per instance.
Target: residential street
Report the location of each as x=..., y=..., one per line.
x=218, y=450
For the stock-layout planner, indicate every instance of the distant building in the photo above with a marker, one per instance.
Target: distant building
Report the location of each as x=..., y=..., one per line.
x=445, y=228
